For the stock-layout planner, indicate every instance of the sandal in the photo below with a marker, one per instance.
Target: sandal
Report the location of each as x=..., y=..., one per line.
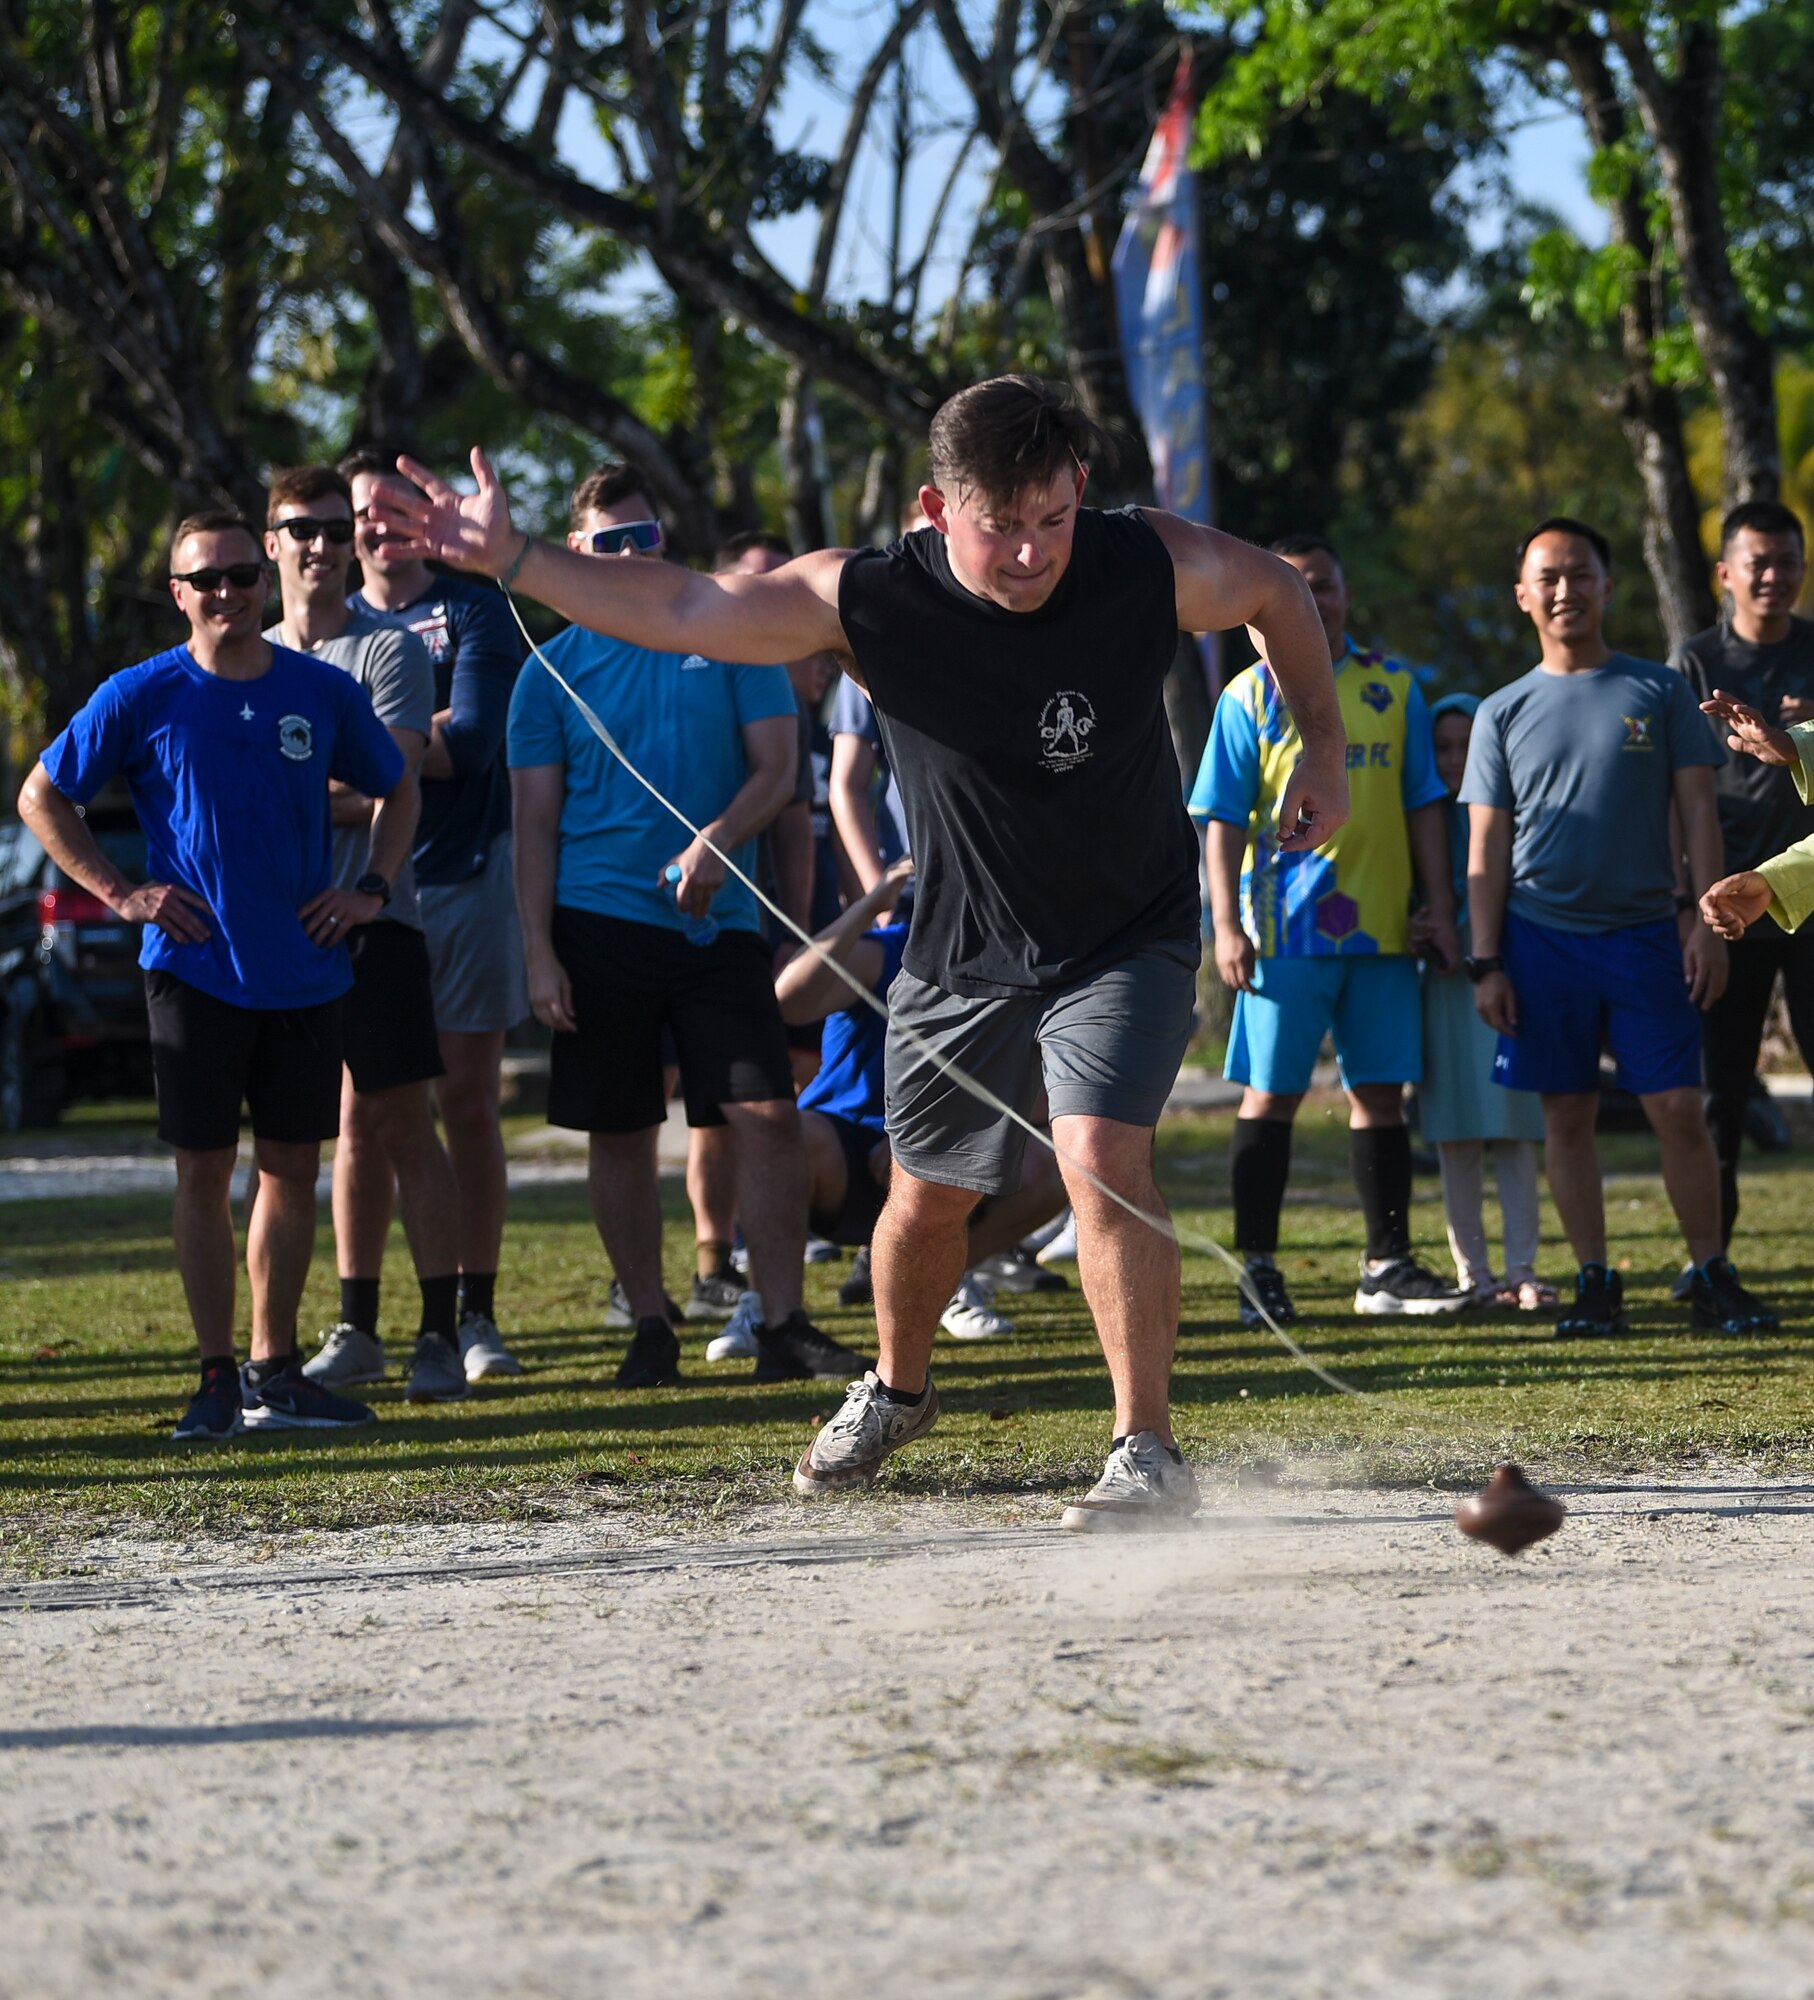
x=1531, y=1295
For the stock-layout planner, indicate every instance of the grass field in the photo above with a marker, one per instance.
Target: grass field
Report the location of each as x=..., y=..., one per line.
x=96, y=1361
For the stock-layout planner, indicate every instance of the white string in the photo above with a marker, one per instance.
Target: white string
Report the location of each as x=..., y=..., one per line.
x=1206, y=1245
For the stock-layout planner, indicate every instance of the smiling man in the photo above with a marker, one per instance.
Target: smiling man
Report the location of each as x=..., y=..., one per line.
x=1056, y=925
x=228, y=745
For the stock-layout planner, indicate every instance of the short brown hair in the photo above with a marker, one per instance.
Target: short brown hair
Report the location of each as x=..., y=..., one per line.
x=371, y=459
x=609, y=486
x=214, y=521
x=1006, y=435
x=734, y=548
x=299, y=485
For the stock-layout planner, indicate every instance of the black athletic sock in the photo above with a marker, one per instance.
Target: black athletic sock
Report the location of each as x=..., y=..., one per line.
x=1259, y=1165
x=901, y=1395
x=218, y=1364
x=712, y=1259
x=258, y=1373
x=440, y=1305
x=476, y=1293
x=1171, y=1450
x=359, y=1304
x=1380, y=1158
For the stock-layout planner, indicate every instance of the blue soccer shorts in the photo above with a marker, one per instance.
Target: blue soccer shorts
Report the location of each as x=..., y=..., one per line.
x=1583, y=991
x=1372, y=1006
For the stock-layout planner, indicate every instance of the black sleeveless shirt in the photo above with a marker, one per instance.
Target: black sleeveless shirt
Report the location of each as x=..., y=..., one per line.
x=1044, y=806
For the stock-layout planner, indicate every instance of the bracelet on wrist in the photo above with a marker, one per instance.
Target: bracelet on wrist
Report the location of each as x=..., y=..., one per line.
x=510, y=575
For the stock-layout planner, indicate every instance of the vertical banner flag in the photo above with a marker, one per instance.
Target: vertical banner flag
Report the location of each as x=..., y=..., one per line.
x=1158, y=305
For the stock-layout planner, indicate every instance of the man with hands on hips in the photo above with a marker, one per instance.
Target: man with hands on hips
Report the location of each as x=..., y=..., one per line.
x=229, y=745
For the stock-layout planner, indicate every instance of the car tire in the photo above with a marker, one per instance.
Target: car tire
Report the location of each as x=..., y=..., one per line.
x=12, y=1072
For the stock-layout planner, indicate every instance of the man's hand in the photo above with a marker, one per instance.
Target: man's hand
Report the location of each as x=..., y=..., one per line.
x=328, y=917
x=179, y=913
x=1749, y=733
x=550, y=992
x=467, y=530
x=1441, y=942
x=1314, y=806
x=895, y=878
x=1234, y=957
x=1703, y=961
x=1496, y=1003
x=1731, y=906
x=1793, y=708
x=701, y=877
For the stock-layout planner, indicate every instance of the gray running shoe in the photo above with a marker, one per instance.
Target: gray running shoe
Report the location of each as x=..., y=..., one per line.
x=1142, y=1488
x=346, y=1356
x=850, y=1449
x=435, y=1373
x=617, y=1307
x=482, y=1349
x=713, y=1298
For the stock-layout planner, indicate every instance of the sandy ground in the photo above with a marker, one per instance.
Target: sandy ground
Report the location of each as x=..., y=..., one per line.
x=1319, y=1745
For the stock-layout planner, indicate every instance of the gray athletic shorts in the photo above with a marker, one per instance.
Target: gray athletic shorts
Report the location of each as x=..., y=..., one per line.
x=1108, y=1047
x=475, y=949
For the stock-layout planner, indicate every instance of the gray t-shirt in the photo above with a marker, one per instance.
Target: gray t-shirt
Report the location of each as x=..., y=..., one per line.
x=1585, y=763
x=393, y=667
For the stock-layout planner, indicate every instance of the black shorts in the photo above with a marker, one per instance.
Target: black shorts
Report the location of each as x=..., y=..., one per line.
x=208, y=1057
x=854, y=1220
x=390, y=1013
x=632, y=980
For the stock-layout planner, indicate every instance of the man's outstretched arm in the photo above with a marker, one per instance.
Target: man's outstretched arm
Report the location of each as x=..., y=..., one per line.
x=1223, y=583
x=761, y=620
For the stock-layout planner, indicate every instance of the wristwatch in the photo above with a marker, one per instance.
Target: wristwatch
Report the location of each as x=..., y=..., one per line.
x=1478, y=968
x=373, y=884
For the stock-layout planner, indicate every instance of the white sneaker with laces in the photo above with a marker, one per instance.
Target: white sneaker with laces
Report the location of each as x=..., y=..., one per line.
x=482, y=1349
x=738, y=1340
x=1061, y=1246
x=1142, y=1488
x=971, y=1316
x=850, y=1449
x=346, y=1355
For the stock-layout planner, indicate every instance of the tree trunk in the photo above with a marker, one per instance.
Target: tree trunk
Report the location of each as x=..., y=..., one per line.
x=802, y=448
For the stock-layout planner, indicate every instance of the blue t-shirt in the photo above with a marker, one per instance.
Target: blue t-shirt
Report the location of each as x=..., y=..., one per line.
x=1585, y=764
x=230, y=782
x=849, y=1082
x=475, y=649
x=679, y=719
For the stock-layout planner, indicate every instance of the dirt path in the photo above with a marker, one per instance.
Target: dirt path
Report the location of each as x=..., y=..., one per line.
x=1318, y=1746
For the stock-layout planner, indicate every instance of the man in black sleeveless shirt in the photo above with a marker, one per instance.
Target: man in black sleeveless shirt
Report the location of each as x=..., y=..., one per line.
x=1015, y=651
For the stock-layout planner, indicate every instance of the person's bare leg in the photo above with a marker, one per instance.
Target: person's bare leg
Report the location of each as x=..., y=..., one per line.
x=1009, y=1217
x=365, y=1187
x=827, y=1175
x=771, y=1197
x=281, y=1242
x=1572, y=1161
x=626, y=1206
x=403, y=1122
x=468, y=1098
x=916, y=1259
x=1129, y=1271
x=201, y=1224
x=712, y=1182
x=1691, y=1170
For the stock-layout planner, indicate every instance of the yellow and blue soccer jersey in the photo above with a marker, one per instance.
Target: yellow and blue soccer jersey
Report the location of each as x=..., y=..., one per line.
x=1352, y=895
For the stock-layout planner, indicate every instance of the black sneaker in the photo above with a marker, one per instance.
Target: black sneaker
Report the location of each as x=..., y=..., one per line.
x=796, y=1351
x=1405, y=1287
x=1717, y=1299
x=1599, y=1306
x=858, y=1289
x=289, y=1401
x=1264, y=1285
x=713, y=1298
x=1018, y=1270
x=653, y=1361
x=214, y=1410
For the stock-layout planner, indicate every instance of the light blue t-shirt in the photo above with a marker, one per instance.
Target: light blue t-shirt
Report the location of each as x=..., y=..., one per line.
x=229, y=779
x=679, y=718
x=1585, y=764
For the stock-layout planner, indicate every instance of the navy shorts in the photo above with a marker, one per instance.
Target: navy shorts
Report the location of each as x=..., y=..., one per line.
x=1583, y=991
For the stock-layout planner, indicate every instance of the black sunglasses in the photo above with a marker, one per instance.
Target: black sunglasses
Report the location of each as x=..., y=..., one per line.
x=242, y=576
x=304, y=528
x=643, y=535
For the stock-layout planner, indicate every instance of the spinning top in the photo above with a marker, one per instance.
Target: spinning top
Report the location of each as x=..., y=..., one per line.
x=1509, y=1512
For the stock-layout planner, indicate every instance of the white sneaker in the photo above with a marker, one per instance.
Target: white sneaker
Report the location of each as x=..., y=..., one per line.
x=1040, y=1237
x=1061, y=1246
x=819, y=1251
x=346, y=1355
x=850, y=1449
x=970, y=1316
x=482, y=1349
x=1142, y=1488
x=738, y=1340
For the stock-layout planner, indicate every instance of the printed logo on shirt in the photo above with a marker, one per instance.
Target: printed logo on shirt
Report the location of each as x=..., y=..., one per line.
x=692, y=661
x=295, y=737
x=1637, y=732
x=1377, y=696
x=434, y=632
x=1065, y=724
